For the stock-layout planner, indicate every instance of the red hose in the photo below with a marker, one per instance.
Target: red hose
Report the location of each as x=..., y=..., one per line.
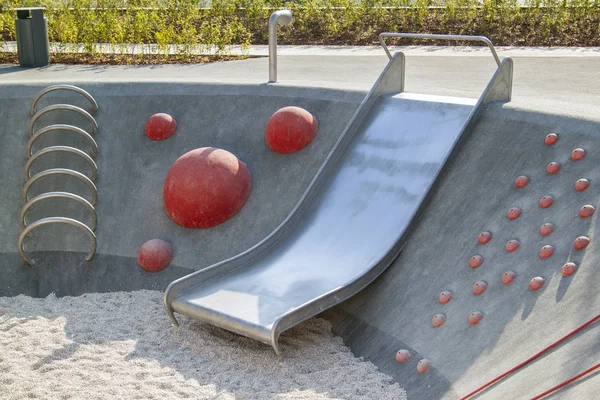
x=530, y=359
x=565, y=383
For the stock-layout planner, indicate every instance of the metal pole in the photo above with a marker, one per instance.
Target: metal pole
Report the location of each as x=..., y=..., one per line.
x=283, y=17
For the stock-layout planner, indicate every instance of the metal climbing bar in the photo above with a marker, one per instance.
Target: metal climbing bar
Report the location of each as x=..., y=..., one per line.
x=62, y=127
x=466, y=38
x=61, y=171
x=70, y=88
x=64, y=149
x=60, y=195
x=55, y=220
x=67, y=107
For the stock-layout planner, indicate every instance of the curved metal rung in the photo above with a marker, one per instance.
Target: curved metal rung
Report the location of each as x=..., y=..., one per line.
x=482, y=39
x=70, y=88
x=67, y=107
x=60, y=195
x=61, y=171
x=65, y=149
x=57, y=220
x=62, y=127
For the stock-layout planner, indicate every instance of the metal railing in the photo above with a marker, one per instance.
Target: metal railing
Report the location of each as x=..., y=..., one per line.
x=428, y=36
x=33, y=156
x=70, y=88
x=282, y=17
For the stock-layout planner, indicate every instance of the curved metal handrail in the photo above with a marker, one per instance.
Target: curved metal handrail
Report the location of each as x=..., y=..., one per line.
x=62, y=127
x=63, y=87
x=61, y=171
x=282, y=17
x=59, y=220
x=65, y=149
x=67, y=107
x=482, y=39
x=60, y=195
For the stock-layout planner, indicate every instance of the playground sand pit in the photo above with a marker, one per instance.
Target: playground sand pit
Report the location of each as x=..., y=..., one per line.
x=122, y=345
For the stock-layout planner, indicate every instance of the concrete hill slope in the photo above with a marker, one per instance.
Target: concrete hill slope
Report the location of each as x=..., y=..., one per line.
x=397, y=310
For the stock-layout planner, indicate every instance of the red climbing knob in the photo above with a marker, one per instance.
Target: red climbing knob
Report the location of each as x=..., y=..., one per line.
x=423, y=365
x=546, y=251
x=476, y=261
x=479, y=287
x=508, y=277
x=587, y=211
x=521, y=181
x=578, y=154
x=546, y=201
x=569, y=269
x=205, y=187
x=512, y=245
x=290, y=129
x=160, y=126
x=402, y=356
x=553, y=167
x=438, y=320
x=581, y=184
x=514, y=213
x=581, y=242
x=536, y=283
x=551, y=138
x=546, y=229
x=484, y=237
x=155, y=255
x=445, y=296
x=475, y=317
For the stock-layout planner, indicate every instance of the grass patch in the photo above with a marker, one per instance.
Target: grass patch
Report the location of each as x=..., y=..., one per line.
x=123, y=59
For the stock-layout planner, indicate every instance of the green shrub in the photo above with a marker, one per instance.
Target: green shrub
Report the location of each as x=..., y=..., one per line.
x=124, y=25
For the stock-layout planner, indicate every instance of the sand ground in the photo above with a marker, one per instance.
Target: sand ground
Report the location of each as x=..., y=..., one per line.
x=122, y=346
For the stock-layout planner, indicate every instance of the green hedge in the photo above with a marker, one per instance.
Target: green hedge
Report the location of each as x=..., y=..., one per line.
x=340, y=22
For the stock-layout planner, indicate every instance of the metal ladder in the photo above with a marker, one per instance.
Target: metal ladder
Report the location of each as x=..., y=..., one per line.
x=28, y=227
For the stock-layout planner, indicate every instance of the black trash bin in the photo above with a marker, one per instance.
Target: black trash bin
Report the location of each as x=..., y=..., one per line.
x=32, y=37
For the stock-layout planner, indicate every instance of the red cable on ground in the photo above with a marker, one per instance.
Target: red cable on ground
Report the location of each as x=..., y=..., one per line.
x=530, y=359
x=565, y=383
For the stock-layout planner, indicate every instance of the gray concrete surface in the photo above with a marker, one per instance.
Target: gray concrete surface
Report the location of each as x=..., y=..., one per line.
x=474, y=197
x=132, y=168
x=550, y=94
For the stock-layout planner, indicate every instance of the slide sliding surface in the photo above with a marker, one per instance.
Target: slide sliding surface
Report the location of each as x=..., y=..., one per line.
x=346, y=230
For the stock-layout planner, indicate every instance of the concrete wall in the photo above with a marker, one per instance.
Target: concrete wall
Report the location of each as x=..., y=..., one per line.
x=132, y=168
x=396, y=311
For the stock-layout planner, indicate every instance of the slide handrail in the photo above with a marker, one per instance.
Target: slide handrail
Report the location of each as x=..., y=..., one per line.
x=467, y=38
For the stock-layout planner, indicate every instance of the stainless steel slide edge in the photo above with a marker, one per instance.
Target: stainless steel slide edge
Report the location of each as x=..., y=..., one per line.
x=391, y=81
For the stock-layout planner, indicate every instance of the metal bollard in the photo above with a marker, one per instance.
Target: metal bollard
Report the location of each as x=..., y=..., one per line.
x=283, y=17
x=32, y=37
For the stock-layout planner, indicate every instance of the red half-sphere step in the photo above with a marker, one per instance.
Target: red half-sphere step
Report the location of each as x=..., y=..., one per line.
x=475, y=317
x=581, y=242
x=536, y=283
x=551, y=138
x=402, y=356
x=581, y=184
x=587, y=211
x=577, y=154
x=569, y=269
x=484, y=237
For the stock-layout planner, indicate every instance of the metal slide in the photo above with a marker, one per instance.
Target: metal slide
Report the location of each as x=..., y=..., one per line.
x=353, y=219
